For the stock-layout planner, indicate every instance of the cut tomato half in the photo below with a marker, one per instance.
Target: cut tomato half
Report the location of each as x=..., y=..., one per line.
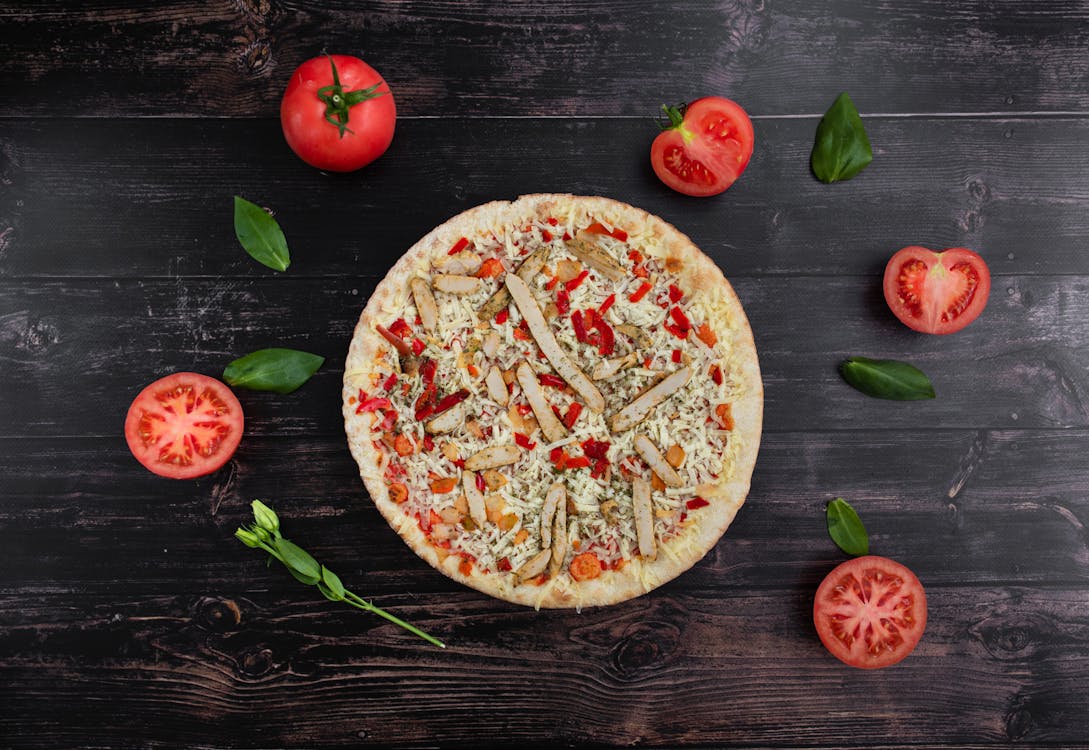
x=184, y=425
x=870, y=612
x=936, y=292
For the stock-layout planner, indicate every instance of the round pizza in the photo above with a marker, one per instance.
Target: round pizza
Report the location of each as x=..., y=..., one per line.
x=555, y=400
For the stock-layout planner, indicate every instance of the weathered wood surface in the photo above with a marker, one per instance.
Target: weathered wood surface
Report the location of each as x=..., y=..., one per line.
x=569, y=58
x=130, y=617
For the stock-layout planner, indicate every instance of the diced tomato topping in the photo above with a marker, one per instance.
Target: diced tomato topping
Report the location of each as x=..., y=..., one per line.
x=490, y=268
x=388, y=420
x=553, y=381
x=400, y=328
x=546, y=235
x=551, y=283
x=635, y=256
x=681, y=333
x=676, y=356
x=640, y=272
x=480, y=483
x=417, y=347
x=716, y=374
x=554, y=454
x=442, y=487
x=696, y=502
x=641, y=292
x=595, y=448
x=647, y=361
x=706, y=335
x=578, y=325
x=372, y=404
x=428, y=443
x=524, y=442
x=552, y=221
x=675, y=294
x=502, y=316
x=572, y=414
x=522, y=335
x=574, y=283
x=390, y=382
x=563, y=302
x=600, y=467
x=680, y=318
x=585, y=567
x=465, y=567
x=504, y=564
x=428, y=368
x=460, y=245
x=566, y=236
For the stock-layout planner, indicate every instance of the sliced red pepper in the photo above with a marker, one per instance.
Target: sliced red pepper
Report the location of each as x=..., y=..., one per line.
x=523, y=442
x=675, y=294
x=396, y=341
x=676, y=356
x=600, y=467
x=574, y=283
x=635, y=256
x=641, y=292
x=480, y=483
x=579, y=325
x=716, y=374
x=680, y=318
x=572, y=415
x=390, y=382
x=449, y=402
x=460, y=245
x=578, y=462
x=546, y=235
x=504, y=564
x=522, y=335
x=563, y=302
x=696, y=502
x=553, y=381
x=608, y=338
x=596, y=449
x=428, y=368
x=681, y=333
x=609, y=302
x=555, y=454
x=428, y=443
x=640, y=271
x=566, y=236
x=373, y=404
x=400, y=328
x=598, y=228
x=502, y=316
x=418, y=347
x=388, y=420
x=552, y=221
x=551, y=283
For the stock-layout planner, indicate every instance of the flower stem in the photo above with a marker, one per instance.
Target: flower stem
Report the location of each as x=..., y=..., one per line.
x=355, y=601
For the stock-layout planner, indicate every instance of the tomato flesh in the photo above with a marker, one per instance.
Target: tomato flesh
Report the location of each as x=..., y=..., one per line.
x=870, y=612
x=317, y=141
x=936, y=292
x=184, y=425
x=708, y=151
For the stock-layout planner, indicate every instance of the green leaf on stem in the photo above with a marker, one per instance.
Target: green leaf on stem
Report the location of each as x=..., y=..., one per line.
x=278, y=370
x=332, y=581
x=297, y=559
x=846, y=529
x=260, y=235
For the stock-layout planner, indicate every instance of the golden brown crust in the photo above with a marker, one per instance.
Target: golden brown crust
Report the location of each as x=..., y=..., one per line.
x=707, y=282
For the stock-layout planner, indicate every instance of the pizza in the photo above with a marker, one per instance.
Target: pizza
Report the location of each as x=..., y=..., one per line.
x=555, y=400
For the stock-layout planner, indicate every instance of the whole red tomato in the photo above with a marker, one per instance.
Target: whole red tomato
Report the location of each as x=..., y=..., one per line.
x=705, y=148
x=337, y=113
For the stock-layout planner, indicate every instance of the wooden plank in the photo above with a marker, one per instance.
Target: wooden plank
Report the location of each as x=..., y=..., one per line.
x=1023, y=364
x=959, y=507
x=128, y=200
x=739, y=671
x=574, y=57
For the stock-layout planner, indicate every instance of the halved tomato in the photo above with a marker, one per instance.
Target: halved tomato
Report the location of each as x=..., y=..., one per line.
x=936, y=292
x=870, y=612
x=705, y=148
x=184, y=425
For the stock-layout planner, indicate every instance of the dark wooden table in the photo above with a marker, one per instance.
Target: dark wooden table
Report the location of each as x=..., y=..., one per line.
x=130, y=617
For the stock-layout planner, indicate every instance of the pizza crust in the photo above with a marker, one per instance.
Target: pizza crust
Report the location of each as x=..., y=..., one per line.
x=701, y=275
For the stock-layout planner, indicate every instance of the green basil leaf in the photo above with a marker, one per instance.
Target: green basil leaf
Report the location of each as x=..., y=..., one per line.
x=846, y=529
x=332, y=581
x=260, y=235
x=279, y=370
x=887, y=378
x=842, y=148
x=298, y=559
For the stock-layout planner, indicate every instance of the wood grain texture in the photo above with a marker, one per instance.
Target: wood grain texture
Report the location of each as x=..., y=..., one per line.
x=136, y=199
x=571, y=58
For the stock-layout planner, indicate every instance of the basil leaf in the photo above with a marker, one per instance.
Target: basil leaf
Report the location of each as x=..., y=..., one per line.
x=278, y=370
x=887, y=378
x=260, y=235
x=842, y=148
x=298, y=560
x=846, y=529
